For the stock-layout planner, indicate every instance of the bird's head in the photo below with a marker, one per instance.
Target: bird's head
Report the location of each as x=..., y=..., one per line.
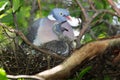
x=59, y=14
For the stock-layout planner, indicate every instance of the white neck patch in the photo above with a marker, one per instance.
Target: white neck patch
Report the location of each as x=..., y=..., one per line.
x=51, y=17
x=74, y=21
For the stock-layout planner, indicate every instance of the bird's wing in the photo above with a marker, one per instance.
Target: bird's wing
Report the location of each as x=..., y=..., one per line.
x=32, y=30
x=41, y=32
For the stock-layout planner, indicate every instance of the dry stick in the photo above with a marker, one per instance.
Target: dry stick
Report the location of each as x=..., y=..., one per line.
x=24, y=76
x=35, y=47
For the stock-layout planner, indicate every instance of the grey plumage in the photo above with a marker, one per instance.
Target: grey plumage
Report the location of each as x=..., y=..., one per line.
x=31, y=35
x=59, y=47
x=47, y=34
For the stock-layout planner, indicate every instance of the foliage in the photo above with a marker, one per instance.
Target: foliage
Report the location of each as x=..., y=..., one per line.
x=2, y=74
x=80, y=75
x=22, y=9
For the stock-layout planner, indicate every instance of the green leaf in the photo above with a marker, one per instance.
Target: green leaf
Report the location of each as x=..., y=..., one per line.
x=3, y=74
x=16, y=5
x=3, y=5
x=7, y=19
x=83, y=72
x=105, y=4
x=98, y=4
x=87, y=38
x=102, y=35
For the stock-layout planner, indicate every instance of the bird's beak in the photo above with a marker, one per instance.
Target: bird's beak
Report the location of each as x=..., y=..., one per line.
x=68, y=17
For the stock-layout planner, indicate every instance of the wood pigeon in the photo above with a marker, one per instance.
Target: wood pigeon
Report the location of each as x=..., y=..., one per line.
x=54, y=32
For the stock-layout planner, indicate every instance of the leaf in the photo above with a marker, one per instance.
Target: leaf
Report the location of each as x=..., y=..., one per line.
x=3, y=5
x=7, y=19
x=3, y=74
x=102, y=35
x=16, y=5
x=105, y=4
x=98, y=4
x=83, y=72
x=87, y=38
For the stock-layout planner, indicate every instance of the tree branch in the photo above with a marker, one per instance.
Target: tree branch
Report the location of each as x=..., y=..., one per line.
x=92, y=5
x=114, y=7
x=24, y=76
x=89, y=50
x=83, y=10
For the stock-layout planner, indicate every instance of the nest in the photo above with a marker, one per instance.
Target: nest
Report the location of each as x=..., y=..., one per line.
x=19, y=60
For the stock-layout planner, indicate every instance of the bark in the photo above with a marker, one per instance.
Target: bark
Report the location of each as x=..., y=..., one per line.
x=92, y=49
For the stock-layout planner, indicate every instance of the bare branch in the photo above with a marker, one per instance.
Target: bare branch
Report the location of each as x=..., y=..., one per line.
x=92, y=5
x=114, y=7
x=83, y=10
x=24, y=76
x=86, y=25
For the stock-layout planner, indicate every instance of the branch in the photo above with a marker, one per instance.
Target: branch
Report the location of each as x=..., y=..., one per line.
x=83, y=10
x=92, y=5
x=24, y=76
x=87, y=23
x=114, y=7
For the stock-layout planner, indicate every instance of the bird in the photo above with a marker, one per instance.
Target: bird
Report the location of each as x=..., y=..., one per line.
x=58, y=30
x=63, y=44
x=53, y=32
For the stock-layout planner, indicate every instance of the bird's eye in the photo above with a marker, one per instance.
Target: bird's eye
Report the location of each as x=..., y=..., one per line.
x=61, y=13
